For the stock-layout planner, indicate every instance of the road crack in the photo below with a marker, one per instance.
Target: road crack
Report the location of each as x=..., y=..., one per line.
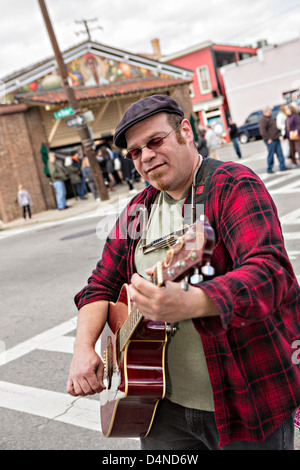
x=69, y=407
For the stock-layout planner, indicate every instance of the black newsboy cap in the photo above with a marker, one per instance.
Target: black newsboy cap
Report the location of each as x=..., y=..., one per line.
x=143, y=109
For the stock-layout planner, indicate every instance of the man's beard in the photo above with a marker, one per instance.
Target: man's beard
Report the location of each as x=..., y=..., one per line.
x=155, y=178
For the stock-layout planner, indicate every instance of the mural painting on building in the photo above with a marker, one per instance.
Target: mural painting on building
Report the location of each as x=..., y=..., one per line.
x=32, y=99
x=90, y=70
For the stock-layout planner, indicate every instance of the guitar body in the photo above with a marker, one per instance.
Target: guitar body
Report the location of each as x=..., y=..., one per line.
x=135, y=377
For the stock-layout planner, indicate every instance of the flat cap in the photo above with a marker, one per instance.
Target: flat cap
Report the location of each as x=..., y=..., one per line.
x=143, y=109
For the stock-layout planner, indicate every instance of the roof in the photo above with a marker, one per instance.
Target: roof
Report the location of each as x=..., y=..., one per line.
x=187, y=50
x=105, y=91
x=200, y=46
x=25, y=76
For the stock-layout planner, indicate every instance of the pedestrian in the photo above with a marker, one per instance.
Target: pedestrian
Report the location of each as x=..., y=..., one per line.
x=281, y=125
x=89, y=179
x=117, y=159
x=270, y=134
x=212, y=142
x=80, y=186
x=102, y=158
x=24, y=200
x=58, y=177
x=128, y=171
x=76, y=177
x=202, y=144
x=229, y=378
x=113, y=164
x=293, y=132
x=218, y=130
x=234, y=136
x=107, y=154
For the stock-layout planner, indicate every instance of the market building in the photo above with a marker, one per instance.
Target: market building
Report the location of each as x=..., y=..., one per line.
x=35, y=116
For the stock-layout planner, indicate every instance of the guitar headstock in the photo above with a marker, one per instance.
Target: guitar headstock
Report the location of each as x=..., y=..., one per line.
x=188, y=256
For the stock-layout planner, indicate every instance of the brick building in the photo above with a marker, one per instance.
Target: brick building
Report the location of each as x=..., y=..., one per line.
x=21, y=135
x=106, y=81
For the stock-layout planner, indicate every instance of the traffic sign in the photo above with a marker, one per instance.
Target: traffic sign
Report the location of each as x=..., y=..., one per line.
x=62, y=113
x=88, y=116
x=75, y=121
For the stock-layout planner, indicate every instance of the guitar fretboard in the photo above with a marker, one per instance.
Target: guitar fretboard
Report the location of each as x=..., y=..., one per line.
x=135, y=317
x=128, y=327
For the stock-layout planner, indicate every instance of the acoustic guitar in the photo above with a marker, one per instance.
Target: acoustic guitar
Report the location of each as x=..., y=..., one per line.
x=133, y=347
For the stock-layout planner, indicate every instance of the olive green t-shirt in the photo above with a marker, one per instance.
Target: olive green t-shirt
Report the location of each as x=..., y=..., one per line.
x=187, y=379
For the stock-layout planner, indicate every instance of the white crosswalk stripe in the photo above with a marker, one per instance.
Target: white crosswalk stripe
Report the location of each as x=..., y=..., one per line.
x=83, y=412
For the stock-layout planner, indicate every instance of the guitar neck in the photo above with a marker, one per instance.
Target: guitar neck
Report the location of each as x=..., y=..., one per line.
x=129, y=327
x=135, y=317
x=190, y=250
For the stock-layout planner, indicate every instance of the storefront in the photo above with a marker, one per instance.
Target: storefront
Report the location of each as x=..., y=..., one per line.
x=29, y=120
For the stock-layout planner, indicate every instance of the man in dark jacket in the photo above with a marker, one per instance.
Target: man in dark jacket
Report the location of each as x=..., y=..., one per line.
x=234, y=136
x=270, y=134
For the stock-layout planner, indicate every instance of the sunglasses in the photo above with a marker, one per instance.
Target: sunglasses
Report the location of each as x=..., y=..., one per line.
x=153, y=144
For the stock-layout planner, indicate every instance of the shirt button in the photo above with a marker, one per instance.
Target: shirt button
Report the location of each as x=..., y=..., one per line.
x=242, y=323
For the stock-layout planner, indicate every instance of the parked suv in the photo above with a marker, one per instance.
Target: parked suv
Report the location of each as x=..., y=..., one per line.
x=250, y=128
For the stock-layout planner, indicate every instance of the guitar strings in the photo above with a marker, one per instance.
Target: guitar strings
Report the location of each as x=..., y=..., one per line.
x=134, y=316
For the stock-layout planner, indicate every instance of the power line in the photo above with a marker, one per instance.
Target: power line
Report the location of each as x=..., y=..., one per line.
x=269, y=20
x=87, y=29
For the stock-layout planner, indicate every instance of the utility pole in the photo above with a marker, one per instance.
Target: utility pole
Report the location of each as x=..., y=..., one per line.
x=83, y=128
x=87, y=29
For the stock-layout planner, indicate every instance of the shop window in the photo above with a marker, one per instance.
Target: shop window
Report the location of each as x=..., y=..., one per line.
x=224, y=58
x=253, y=117
x=191, y=90
x=204, y=79
x=244, y=55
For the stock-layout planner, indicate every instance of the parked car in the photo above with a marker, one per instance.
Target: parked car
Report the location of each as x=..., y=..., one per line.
x=250, y=128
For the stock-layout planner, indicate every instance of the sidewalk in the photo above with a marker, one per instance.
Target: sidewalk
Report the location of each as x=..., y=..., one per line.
x=76, y=207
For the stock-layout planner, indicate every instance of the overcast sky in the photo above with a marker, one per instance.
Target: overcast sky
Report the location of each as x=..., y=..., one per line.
x=131, y=24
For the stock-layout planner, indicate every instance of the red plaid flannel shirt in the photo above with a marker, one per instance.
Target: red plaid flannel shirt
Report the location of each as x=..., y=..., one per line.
x=249, y=347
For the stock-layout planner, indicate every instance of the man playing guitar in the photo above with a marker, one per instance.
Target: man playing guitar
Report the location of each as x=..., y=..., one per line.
x=228, y=378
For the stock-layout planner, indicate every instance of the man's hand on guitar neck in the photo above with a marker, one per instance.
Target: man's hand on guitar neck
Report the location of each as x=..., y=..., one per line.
x=169, y=303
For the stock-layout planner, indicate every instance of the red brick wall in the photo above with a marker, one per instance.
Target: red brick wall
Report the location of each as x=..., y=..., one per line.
x=37, y=137
x=21, y=133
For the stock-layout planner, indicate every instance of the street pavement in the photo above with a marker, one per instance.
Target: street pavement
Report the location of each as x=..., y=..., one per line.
x=42, y=405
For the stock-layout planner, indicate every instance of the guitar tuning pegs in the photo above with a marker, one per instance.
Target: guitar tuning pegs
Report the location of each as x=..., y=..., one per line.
x=207, y=269
x=196, y=278
x=185, y=284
